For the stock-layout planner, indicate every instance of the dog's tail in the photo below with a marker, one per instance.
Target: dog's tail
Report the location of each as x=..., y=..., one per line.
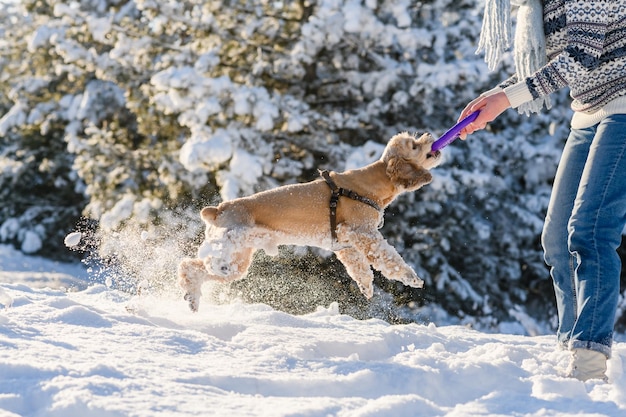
x=209, y=214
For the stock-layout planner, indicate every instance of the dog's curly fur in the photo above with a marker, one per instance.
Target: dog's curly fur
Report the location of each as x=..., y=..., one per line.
x=299, y=215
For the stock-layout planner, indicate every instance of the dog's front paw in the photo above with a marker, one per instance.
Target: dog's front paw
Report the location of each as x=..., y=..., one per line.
x=366, y=290
x=412, y=280
x=418, y=283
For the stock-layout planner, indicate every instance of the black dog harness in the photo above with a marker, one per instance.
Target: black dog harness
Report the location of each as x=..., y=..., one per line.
x=337, y=192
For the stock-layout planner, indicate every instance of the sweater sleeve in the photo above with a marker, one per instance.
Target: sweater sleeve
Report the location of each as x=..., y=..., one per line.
x=585, y=29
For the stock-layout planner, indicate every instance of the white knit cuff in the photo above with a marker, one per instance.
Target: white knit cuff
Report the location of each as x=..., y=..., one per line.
x=491, y=92
x=518, y=94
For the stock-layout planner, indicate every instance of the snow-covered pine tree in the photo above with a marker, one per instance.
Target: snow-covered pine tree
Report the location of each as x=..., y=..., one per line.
x=160, y=106
x=41, y=195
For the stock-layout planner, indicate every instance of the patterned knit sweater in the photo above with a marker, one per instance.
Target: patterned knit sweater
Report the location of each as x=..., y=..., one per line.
x=586, y=47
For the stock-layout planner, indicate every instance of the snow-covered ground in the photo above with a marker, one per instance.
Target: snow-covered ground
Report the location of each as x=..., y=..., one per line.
x=98, y=352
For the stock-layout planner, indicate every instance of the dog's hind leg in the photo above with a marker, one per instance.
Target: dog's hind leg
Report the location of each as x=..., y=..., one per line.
x=359, y=269
x=382, y=256
x=191, y=275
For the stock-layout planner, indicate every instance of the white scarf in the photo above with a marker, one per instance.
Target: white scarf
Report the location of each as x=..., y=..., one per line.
x=529, y=46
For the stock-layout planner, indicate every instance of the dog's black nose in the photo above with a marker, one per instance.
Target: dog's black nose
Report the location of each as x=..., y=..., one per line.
x=433, y=154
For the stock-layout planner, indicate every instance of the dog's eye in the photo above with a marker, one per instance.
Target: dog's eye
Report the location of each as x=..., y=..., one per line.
x=415, y=145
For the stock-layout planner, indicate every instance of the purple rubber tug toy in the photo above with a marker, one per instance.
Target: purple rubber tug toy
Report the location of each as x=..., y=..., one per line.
x=449, y=137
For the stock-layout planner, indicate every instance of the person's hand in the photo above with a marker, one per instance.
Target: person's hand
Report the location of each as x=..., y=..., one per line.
x=490, y=106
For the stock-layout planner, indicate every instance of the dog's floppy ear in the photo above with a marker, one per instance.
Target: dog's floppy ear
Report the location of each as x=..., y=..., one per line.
x=406, y=174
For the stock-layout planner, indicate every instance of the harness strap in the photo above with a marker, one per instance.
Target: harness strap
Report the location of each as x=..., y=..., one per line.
x=337, y=192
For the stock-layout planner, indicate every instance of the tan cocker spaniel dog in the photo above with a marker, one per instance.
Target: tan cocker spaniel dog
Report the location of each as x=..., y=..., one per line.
x=341, y=212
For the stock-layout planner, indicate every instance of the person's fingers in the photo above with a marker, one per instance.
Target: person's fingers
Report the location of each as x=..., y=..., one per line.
x=488, y=106
x=469, y=109
x=468, y=130
x=473, y=127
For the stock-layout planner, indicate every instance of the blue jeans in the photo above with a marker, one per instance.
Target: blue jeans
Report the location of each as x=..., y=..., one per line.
x=582, y=231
